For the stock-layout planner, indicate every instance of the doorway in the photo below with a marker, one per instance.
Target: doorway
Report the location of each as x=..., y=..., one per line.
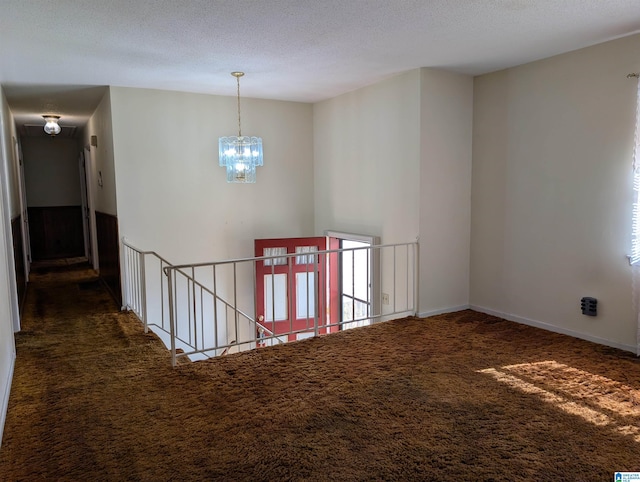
x=291, y=287
x=359, y=278
x=53, y=191
x=355, y=284
x=303, y=294
x=89, y=221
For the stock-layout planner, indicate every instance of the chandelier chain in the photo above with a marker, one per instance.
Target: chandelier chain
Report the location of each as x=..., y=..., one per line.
x=239, y=126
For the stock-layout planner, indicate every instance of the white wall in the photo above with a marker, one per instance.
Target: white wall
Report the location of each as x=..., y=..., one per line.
x=8, y=170
x=52, y=174
x=11, y=197
x=394, y=160
x=552, y=193
x=173, y=194
x=367, y=169
x=367, y=160
x=8, y=295
x=445, y=190
x=103, y=177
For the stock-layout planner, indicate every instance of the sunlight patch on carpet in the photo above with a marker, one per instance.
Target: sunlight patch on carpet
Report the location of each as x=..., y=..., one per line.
x=571, y=389
x=596, y=389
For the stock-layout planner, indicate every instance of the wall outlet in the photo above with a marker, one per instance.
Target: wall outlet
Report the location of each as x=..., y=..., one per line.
x=385, y=298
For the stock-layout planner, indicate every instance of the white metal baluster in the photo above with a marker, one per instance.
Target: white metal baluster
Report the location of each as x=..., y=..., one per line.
x=192, y=300
x=255, y=301
x=143, y=290
x=126, y=277
x=407, y=268
x=202, y=317
x=273, y=299
x=132, y=286
x=187, y=310
x=315, y=293
x=135, y=284
x=353, y=285
x=139, y=284
x=235, y=301
x=369, y=258
x=172, y=316
x=176, y=300
x=215, y=307
x=307, y=263
x=394, y=278
x=290, y=286
x=162, y=281
x=416, y=278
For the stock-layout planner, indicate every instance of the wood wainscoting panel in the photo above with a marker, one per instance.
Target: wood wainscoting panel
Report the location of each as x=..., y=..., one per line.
x=56, y=232
x=109, y=252
x=18, y=258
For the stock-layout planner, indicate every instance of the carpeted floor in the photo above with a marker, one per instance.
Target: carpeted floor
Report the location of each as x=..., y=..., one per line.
x=462, y=396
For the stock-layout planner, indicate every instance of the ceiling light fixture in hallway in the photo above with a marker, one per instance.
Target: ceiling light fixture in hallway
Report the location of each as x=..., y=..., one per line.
x=51, y=127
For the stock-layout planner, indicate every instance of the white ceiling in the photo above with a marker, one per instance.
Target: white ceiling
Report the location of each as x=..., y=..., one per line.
x=299, y=50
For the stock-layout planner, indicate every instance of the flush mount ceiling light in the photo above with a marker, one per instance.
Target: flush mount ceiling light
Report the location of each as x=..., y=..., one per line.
x=240, y=154
x=51, y=127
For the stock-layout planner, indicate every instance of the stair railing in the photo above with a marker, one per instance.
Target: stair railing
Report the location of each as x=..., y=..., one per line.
x=197, y=308
x=150, y=295
x=235, y=280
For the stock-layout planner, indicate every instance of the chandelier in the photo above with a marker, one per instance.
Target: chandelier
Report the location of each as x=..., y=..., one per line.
x=240, y=154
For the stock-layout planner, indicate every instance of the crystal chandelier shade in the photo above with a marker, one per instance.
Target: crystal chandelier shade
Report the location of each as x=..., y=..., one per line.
x=240, y=155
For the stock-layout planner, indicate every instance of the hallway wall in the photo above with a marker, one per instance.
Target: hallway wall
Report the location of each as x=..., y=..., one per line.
x=52, y=181
x=103, y=180
x=52, y=176
x=102, y=186
x=8, y=296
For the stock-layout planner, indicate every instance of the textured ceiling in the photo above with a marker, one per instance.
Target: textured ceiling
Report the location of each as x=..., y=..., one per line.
x=300, y=50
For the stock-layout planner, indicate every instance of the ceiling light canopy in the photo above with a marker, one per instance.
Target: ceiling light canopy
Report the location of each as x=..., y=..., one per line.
x=51, y=127
x=240, y=154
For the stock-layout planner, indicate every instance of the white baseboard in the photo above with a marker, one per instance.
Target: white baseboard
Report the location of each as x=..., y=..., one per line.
x=452, y=309
x=553, y=328
x=4, y=403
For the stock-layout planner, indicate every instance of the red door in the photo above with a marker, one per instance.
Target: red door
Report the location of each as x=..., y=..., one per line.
x=291, y=291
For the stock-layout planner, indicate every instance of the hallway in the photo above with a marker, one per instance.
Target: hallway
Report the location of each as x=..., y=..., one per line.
x=77, y=381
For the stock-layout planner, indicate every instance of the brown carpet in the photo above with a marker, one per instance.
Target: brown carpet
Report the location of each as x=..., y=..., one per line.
x=462, y=396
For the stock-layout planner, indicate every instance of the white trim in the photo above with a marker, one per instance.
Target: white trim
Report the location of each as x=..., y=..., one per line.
x=361, y=238
x=5, y=229
x=553, y=328
x=452, y=309
x=375, y=289
x=24, y=212
x=4, y=406
x=93, y=233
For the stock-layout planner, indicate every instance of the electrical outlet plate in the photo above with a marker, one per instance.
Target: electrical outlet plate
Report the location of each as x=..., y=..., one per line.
x=385, y=298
